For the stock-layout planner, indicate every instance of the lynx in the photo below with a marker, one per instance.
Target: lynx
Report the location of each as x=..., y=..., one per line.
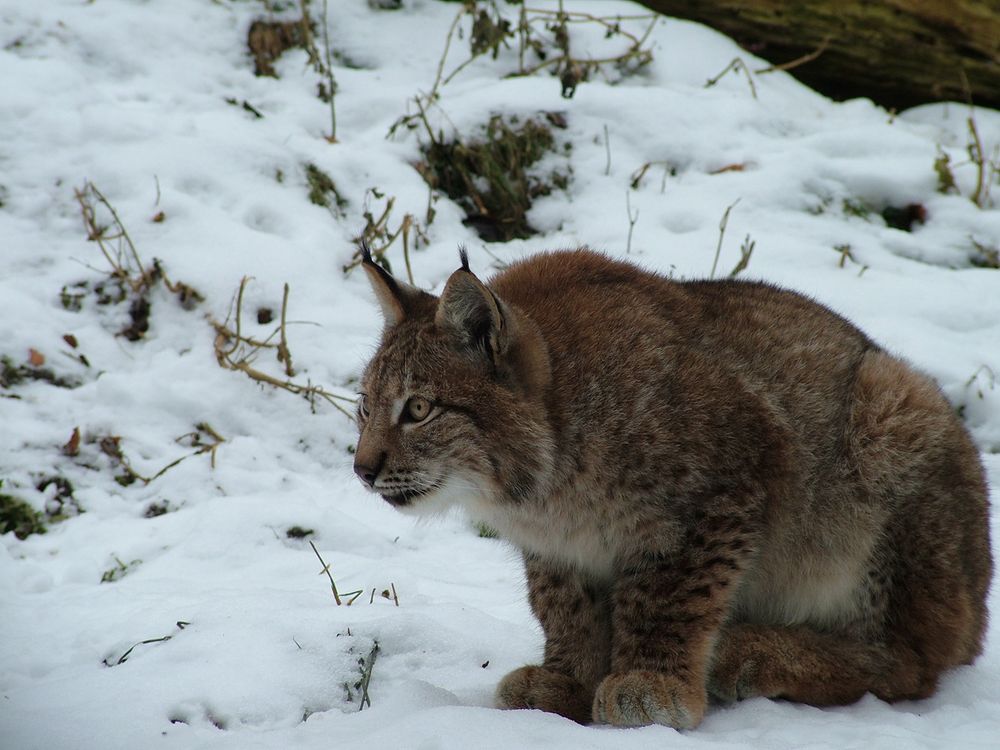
x=721, y=489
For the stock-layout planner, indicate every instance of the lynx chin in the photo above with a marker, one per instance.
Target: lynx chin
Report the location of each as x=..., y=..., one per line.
x=719, y=488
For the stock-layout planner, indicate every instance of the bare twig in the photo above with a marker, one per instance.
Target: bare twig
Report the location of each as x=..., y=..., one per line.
x=379, y=237
x=204, y=447
x=127, y=268
x=531, y=38
x=235, y=351
x=792, y=64
x=738, y=66
x=722, y=231
x=444, y=56
x=284, y=355
x=110, y=446
x=123, y=257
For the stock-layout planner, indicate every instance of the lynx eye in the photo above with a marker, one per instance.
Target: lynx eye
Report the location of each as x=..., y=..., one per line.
x=417, y=409
x=363, y=405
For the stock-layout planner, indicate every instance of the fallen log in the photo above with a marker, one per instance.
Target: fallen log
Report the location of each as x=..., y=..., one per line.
x=899, y=53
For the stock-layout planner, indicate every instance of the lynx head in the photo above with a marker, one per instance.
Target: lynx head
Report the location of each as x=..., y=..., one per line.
x=452, y=403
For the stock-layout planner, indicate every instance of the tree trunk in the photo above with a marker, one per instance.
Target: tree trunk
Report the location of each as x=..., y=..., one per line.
x=899, y=53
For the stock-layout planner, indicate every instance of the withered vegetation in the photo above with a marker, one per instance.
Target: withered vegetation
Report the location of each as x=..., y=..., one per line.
x=491, y=177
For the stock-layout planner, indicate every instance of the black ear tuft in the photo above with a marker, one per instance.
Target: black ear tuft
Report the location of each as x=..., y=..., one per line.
x=366, y=252
x=463, y=254
x=473, y=315
x=369, y=264
x=397, y=299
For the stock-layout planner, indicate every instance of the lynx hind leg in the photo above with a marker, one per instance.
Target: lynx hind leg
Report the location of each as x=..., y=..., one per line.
x=909, y=450
x=541, y=688
x=799, y=664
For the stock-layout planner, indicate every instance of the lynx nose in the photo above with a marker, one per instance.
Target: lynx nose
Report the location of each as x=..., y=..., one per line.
x=368, y=474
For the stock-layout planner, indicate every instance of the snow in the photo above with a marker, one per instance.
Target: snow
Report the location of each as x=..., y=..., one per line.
x=132, y=96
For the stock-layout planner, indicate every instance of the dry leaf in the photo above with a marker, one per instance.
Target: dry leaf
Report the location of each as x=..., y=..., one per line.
x=36, y=358
x=729, y=168
x=72, y=447
x=70, y=339
x=159, y=217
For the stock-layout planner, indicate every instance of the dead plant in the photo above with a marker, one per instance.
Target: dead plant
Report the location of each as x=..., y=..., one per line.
x=235, y=350
x=491, y=177
x=736, y=65
x=378, y=236
x=268, y=40
x=669, y=170
x=539, y=33
x=203, y=439
x=129, y=278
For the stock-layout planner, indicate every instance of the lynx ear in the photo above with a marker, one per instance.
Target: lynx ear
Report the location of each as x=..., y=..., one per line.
x=473, y=313
x=397, y=299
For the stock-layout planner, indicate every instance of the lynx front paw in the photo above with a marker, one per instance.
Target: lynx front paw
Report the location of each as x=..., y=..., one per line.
x=537, y=687
x=637, y=698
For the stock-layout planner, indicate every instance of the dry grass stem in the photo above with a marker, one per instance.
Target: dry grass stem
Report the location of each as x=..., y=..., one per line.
x=331, y=90
x=722, y=232
x=986, y=168
x=350, y=596
x=181, y=624
x=991, y=377
x=367, y=665
x=746, y=250
x=631, y=220
x=607, y=149
x=326, y=569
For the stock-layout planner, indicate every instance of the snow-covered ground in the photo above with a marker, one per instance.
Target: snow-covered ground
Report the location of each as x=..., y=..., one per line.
x=133, y=96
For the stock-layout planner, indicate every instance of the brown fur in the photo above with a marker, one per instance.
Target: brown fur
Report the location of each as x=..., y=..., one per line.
x=718, y=487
